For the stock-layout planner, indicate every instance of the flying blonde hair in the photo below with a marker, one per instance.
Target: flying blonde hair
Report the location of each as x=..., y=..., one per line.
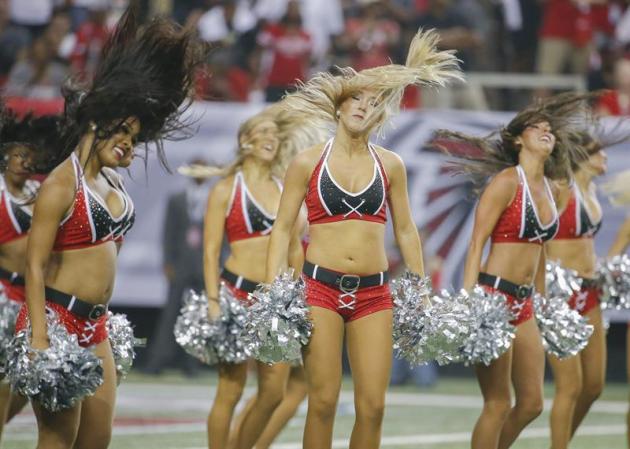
x=321, y=96
x=296, y=132
x=618, y=189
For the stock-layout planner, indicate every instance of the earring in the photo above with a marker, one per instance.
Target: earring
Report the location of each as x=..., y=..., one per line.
x=6, y=158
x=337, y=113
x=93, y=127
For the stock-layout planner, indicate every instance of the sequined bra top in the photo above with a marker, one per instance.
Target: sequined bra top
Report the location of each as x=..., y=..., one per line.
x=15, y=216
x=519, y=222
x=575, y=220
x=89, y=221
x=328, y=202
x=245, y=218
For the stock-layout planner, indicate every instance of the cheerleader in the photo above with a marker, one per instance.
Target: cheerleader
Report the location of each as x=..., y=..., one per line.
x=517, y=212
x=82, y=210
x=23, y=146
x=579, y=380
x=348, y=184
x=242, y=207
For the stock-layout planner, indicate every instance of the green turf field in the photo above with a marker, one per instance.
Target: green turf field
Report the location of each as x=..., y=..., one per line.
x=169, y=412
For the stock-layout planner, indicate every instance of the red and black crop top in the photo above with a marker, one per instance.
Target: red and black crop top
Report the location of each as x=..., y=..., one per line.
x=245, y=218
x=519, y=222
x=15, y=216
x=328, y=202
x=575, y=220
x=89, y=221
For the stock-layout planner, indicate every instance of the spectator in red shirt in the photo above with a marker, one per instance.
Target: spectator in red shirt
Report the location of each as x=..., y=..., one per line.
x=617, y=102
x=566, y=34
x=288, y=54
x=91, y=36
x=370, y=38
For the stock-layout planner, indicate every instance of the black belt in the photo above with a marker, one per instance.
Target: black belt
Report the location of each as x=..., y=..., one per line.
x=12, y=276
x=75, y=305
x=507, y=287
x=591, y=283
x=239, y=281
x=348, y=283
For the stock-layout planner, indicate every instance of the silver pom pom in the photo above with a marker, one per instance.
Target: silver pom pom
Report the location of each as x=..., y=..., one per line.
x=8, y=314
x=278, y=324
x=123, y=342
x=212, y=342
x=57, y=378
x=614, y=274
x=561, y=282
x=564, y=331
x=193, y=329
x=229, y=340
x=491, y=333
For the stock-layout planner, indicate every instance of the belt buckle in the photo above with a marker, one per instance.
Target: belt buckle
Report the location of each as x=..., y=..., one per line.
x=523, y=291
x=97, y=311
x=349, y=283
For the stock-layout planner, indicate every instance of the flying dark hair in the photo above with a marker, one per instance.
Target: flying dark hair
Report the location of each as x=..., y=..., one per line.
x=42, y=135
x=567, y=114
x=146, y=73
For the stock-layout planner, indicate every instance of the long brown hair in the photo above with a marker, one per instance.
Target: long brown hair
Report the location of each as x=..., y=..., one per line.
x=567, y=114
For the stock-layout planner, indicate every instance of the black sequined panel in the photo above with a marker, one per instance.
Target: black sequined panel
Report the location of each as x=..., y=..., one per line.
x=22, y=217
x=533, y=231
x=339, y=202
x=258, y=219
x=587, y=227
x=105, y=226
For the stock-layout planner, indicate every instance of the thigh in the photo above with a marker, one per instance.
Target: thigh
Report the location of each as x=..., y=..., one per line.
x=369, y=341
x=494, y=379
x=593, y=356
x=528, y=362
x=567, y=373
x=59, y=428
x=97, y=411
x=232, y=377
x=322, y=355
x=272, y=378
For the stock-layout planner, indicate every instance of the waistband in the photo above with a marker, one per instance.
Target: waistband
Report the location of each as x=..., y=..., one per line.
x=75, y=305
x=12, y=276
x=348, y=283
x=239, y=281
x=510, y=288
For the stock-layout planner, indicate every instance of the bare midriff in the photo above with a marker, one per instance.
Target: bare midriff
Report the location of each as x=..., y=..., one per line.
x=352, y=246
x=575, y=254
x=13, y=255
x=248, y=258
x=87, y=273
x=514, y=262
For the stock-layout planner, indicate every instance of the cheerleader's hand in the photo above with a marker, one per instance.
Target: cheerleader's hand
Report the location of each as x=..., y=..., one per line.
x=214, y=309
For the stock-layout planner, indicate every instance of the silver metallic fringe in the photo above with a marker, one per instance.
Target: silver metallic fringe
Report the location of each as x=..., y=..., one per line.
x=212, y=342
x=278, y=323
x=123, y=342
x=564, y=331
x=57, y=378
x=614, y=274
x=8, y=314
x=561, y=282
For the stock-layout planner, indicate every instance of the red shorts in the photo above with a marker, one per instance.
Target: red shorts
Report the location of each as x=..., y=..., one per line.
x=350, y=306
x=585, y=300
x=14, y=292
x=524, y=308
x=89, y=332
x=239, y=294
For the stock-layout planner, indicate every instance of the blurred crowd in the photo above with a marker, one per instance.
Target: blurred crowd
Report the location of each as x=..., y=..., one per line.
x=261, y=47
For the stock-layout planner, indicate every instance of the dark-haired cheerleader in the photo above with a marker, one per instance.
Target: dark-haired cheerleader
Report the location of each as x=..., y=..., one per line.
x=23, y=142
x=83, y=210
x=579, y=380
x=517, y=212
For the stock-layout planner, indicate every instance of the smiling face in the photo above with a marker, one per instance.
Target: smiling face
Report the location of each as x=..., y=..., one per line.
x=262, y=141
x=356, y=110
x=538, y=138
x=118, y=147
x=19, y=168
